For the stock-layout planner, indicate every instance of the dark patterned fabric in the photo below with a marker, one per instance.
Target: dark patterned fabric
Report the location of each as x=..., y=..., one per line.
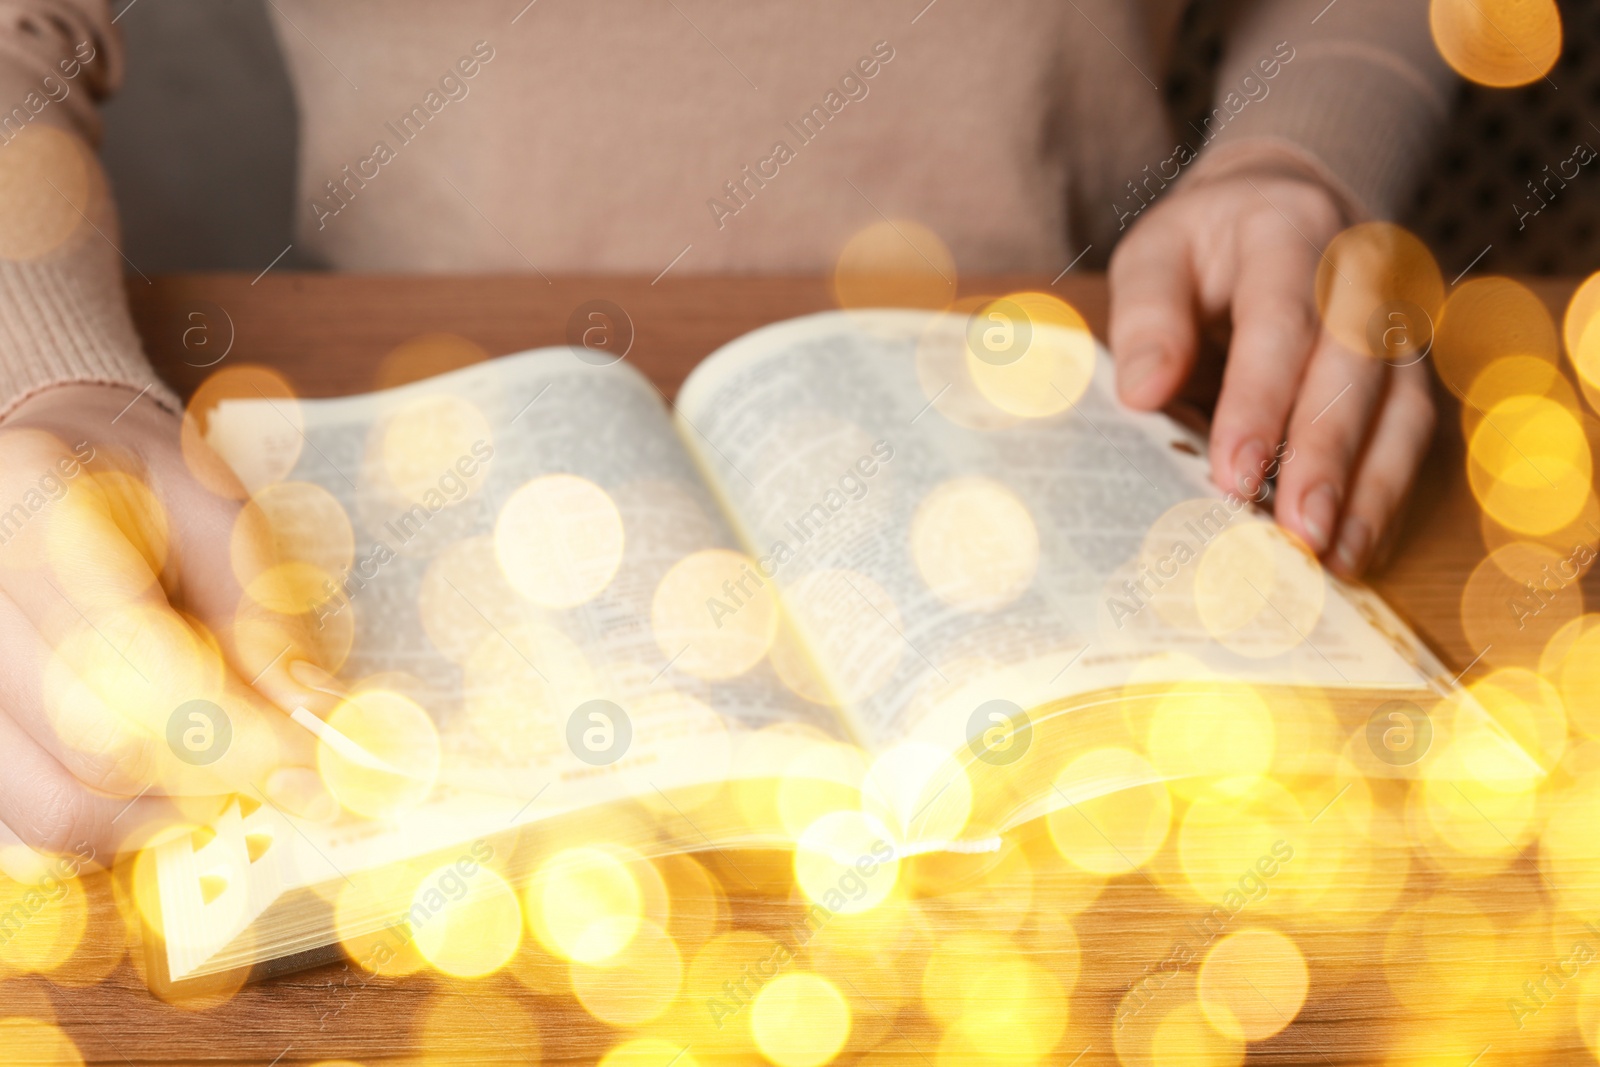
x=1476, y=198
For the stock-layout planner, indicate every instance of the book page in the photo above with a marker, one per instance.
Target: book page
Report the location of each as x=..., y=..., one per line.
x=947, y=532
x=493, y=541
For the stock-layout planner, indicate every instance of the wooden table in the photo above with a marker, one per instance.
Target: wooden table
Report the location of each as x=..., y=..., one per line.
x=328, y=334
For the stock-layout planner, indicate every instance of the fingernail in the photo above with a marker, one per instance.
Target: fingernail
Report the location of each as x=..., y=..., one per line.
x=300, y=792
x=1249, y=469
x=1354, y=540
x=316, y=679
x=1134, y=371
x=1318, y=511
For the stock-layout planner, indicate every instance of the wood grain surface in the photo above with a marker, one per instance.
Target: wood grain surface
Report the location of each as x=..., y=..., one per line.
x=329, y=334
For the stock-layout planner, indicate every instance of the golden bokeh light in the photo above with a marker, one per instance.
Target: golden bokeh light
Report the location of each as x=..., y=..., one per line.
x=1236, y=843
x=1581, y=332
x=1209, y=730
x=559, y=540
x=975, y=544
x=649, y=1052
x=436, y=450
x=634, y=986
x=1514, y=376
x=719, y=984
x=919, y=792
x=948, y=992
x=1576, y=540
x=1486, y=319
x=372, y=916
x=45, y=183
x=474, y=920
x=1530, y=466
x=1372, y=280
x=714, y=615
x=1480, y=780
x=44, y=921
x=1516, y=600
x=800, y=1019
x=699, y=908
x=1002, y=992
x=1183, y=1035
x=1528, y=708
x=896, y=263
x=424, y=356
x=961, y=887
x=821, y=779
x=1163, y=567
x=520, y=685
x=1571, y=660
x=1500, y=43
x=260, y=449
x=27, y=545
x=1582, y=307
x=29, y=1040
x=846, y=861
x=115, y=520
x=1427, y=946
x=1117, y=814
x=1258, y=591
x=886, y=898
x=1253, y=983
x=945, y=377
x=1569, y=852
x=290, y=542
x=584, y=904
x=1047, y=372
x=397, y=731
x=99, y=701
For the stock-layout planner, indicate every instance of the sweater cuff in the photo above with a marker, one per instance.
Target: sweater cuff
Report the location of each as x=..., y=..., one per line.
x=51, y=334
x=1359, y=115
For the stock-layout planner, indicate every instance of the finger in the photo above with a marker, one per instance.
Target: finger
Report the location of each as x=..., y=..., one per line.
x=112, y=752
x=124, y=658
x=1387, y=469
x=1153, y=313
x=51, y=813
x=1327, y=429
x=1274, y=328
x=96, y=746
x=228, y=575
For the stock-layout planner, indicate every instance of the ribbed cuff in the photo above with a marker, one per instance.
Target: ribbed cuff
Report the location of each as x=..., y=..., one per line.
x=1359, y=113
x=52, y=334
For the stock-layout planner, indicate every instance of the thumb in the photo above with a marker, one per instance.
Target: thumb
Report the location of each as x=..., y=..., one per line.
x=234, y=580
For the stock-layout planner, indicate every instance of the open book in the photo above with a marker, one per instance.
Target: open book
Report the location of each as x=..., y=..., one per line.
x=855, y=554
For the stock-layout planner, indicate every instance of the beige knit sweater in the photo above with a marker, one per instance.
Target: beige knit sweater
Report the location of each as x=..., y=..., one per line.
x=627, y=135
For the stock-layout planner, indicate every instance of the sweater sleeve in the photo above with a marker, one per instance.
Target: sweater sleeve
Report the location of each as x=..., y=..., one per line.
x=63, y=310
x=1354, y=91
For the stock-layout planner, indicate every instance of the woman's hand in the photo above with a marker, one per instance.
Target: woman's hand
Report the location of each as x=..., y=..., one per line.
x=138, y=682
x=1247, y=243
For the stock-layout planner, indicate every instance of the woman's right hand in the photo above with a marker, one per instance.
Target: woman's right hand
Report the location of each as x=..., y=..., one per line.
x=140, y=684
